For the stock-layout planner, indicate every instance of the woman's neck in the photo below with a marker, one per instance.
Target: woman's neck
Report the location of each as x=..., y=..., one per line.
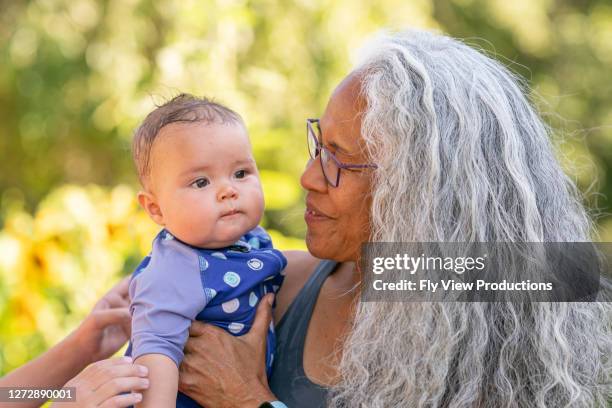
x=346, y=279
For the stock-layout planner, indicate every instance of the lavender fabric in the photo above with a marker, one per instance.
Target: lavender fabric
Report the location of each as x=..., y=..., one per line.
x=177, y=284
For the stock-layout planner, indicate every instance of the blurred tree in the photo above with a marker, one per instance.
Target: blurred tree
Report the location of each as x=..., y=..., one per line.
x=78, y=75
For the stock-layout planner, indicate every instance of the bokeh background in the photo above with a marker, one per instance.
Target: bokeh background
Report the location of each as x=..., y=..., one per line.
x=76, y=76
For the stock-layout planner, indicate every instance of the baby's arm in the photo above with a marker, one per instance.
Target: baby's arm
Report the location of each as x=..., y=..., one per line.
x=163, y=377
x=166, y=297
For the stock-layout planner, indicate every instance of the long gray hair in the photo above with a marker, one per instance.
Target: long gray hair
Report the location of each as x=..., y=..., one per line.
x=463, y=156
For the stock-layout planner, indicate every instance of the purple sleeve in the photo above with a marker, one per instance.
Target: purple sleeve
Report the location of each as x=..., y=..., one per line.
x=165, y=298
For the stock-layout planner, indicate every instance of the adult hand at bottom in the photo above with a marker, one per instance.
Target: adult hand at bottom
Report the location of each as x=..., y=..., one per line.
x=102, y=384
x=224, y=371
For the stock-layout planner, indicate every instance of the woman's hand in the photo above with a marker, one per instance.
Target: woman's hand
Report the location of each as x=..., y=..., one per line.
x=108, y=326
x=224, y=371
x=104, y=383
x=99, y=336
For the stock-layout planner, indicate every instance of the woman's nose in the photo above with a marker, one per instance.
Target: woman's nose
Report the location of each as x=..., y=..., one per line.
x=227, y=192
x=312, y=178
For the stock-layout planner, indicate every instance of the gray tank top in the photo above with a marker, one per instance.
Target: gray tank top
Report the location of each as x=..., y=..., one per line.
x=288, y=381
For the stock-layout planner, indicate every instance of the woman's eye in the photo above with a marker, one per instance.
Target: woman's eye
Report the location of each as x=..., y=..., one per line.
x=240, y=174
x=200, y=183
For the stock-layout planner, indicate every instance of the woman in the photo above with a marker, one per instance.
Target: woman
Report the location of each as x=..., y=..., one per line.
x=443, y=146
x=99, y=336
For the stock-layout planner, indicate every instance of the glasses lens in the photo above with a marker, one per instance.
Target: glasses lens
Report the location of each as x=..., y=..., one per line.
x=313, y=144
x=330, y=168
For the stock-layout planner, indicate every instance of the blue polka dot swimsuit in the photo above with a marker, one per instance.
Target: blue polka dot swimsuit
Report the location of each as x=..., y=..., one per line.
x=178, y=283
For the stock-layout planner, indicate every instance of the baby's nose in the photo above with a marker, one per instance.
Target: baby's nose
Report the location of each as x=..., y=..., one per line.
x=227, y=192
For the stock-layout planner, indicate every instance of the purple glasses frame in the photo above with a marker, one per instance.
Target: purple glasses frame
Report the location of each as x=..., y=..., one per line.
x=310, y=133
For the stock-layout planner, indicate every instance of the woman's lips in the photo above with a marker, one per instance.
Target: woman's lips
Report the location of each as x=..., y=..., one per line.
x=311, y=215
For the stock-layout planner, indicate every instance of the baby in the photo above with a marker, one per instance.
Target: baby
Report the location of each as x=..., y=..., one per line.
x=211, y=261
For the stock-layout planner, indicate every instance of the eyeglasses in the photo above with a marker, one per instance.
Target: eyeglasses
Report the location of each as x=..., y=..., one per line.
x=330, y=165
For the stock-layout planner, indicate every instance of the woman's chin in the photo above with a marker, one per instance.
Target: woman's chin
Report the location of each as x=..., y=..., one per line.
x=323, y=249
x=316, y=247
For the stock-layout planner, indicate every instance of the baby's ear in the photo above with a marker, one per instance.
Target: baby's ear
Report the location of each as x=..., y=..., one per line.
x=149, y=204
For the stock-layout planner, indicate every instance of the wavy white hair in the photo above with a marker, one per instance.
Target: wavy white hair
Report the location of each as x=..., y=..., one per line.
x=463, y=156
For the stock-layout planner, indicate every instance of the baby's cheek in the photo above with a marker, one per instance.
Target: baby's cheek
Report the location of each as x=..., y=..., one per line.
x=199, y=223
x=253, y=207
x=260, y=206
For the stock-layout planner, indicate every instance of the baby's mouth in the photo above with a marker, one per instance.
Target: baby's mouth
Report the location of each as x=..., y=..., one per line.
x=229, y=213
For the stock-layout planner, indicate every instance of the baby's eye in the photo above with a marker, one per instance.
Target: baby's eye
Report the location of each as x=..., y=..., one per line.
x=200, y=183
x=240, y=174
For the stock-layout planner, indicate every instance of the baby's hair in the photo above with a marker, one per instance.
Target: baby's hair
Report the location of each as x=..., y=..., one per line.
x=184, y=108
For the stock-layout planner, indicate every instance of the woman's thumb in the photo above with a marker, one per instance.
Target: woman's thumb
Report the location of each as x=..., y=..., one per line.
x=263, y=317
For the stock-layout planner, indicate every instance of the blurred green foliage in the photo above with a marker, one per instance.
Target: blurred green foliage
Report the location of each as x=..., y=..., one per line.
x=78, y=75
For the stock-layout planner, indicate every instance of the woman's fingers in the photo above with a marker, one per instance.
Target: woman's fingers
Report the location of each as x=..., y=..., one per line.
x=122, y=287
x=215, y=360
x=203, y=334
x=217, y=365
x=197, y=329
x=124, y=370
x=112, y=316
x=187, y=376
x=100, y=372
x=118, y=385
x=114, y=300
x=113, y=382
x=263, y=317
x=259, y=329
x=116, y=297
x=123, y=400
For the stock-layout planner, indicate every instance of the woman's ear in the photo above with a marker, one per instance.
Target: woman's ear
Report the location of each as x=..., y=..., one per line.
x=148, y=202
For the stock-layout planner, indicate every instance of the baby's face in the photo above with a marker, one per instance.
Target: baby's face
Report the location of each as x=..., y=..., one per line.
x=206, y=184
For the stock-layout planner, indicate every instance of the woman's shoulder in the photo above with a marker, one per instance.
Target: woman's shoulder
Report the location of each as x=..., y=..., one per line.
x=300, y=265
